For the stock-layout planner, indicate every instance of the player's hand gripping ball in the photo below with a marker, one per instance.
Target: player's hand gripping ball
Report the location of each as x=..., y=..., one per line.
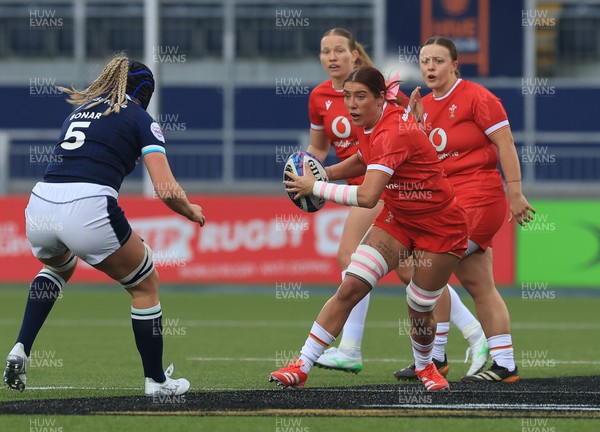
x=295, y=164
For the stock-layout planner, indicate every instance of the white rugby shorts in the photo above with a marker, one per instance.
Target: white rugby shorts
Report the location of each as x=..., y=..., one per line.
x=81, y=217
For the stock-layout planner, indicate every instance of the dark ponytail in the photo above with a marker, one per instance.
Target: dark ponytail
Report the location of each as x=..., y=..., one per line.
x=374, y=81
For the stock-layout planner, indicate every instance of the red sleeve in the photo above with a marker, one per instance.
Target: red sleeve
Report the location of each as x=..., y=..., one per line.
x=488, y=112
x=385, y=156
x=313, y=113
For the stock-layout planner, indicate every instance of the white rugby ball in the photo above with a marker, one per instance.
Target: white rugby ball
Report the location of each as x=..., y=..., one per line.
x=295, y=164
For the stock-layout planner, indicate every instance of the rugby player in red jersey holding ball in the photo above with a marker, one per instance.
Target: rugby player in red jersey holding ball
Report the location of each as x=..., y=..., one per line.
x=396, y=158
x=330, y=125
x=469, y=129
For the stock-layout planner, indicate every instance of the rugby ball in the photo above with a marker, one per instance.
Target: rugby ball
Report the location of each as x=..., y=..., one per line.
x=295, y=164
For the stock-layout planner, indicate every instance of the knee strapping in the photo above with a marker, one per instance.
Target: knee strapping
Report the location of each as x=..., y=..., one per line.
x=141, y=272
x=419, y=299
x=367, y=264
x=52, y=276
x=67, y=265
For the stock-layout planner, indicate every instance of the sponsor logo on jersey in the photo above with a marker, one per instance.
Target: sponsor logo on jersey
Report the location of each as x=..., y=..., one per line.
x=438, y=139
x=157, y=132
x=345, y=143
x=345, y=123
x=328, y=104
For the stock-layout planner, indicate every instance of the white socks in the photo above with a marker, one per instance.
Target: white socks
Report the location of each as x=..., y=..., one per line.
x=354, y=328
x=501, y=350
x=422, y=354
x=441, y=338
x=463, y=319
x=318, y=339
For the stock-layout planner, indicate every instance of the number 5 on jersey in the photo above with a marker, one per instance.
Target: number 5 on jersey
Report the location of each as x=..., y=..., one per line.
x=72, y=133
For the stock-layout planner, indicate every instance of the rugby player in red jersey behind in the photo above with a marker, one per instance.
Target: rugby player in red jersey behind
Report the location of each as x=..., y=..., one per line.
x=469, y=129
x=397, y=159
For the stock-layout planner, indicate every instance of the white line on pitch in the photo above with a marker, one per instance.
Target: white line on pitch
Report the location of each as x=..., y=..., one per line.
x=82, y=388
x=126, y=388
x=67, y=322
x=371, y=360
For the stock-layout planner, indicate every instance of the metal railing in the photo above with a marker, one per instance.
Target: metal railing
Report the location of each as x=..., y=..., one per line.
x=196, y=158
x=558, y=164
x=232, y=160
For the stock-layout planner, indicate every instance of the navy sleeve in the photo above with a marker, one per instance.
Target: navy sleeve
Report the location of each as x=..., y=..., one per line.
x=150, y=135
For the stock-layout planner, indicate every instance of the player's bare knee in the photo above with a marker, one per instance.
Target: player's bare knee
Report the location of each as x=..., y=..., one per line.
x=479, y=289
x=351, y=291
x=153, y=280
x=470, y=280
x=405, y=273
x=149, y=286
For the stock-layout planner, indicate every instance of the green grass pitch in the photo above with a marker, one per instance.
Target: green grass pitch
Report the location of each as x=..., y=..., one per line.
x=232, y=337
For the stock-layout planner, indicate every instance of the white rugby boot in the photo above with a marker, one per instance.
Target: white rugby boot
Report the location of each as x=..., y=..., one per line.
x=335, y=358
x=479, y=355
x=171, y=387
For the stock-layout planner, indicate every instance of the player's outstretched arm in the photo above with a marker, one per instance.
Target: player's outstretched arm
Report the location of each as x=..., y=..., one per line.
x=168, y=190
x=366, y=195
x=348, y=168
x=520, y=209
x=319, y=144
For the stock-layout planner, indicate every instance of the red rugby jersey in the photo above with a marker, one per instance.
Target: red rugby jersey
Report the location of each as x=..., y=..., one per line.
x=458, y=125
x=327, y=112
x=397, y=146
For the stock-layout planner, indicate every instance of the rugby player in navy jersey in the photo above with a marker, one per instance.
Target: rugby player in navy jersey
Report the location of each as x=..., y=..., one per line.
x=100, y=143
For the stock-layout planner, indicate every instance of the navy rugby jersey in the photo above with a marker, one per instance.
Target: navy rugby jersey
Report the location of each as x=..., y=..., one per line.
x=93, y=148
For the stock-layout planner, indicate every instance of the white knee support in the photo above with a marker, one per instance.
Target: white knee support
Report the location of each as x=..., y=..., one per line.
x=420, y=300
x=367, y=264
x=67, y=265
x=141, y=272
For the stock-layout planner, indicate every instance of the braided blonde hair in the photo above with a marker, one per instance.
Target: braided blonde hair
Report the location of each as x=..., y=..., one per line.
x=112, y=82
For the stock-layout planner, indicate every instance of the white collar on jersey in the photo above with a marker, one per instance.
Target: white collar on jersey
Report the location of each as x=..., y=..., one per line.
x=368, y=131
x=449, y=91
x=334, y=89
